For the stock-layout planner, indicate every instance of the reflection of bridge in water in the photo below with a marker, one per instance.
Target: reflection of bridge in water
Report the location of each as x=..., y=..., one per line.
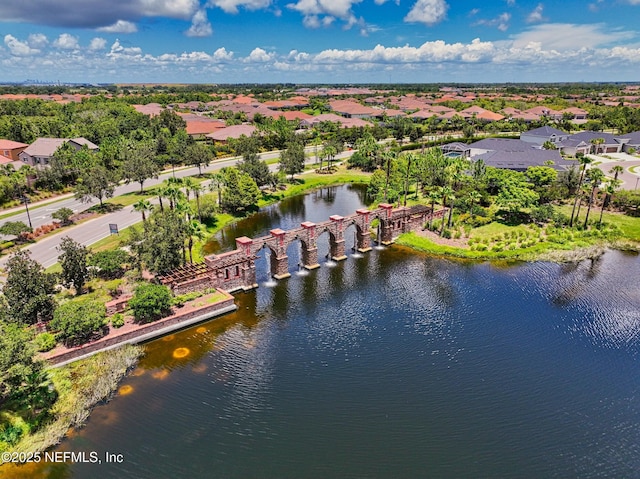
x=235, y=270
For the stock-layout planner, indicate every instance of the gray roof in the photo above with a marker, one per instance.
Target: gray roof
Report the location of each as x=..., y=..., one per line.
x=44, y=147
x=502, y=144
x=521, y=160
x=634, y=137
x=587, y=136
x=545, y=132
x=84, y=142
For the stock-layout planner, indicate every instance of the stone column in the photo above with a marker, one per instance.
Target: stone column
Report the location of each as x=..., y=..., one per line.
x=248, y=267
x=386, y=224
x=279, y=258
x=337, y=245
x=363, y=236
x=310, y=247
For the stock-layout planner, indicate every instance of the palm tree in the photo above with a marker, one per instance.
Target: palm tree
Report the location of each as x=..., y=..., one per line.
x=387, y=157
x=410, y=159
x=142, y=206
x=595, y=177
x=610, y=189
x=447, y=193
x=616, y=170
x=217, y=181
x=596, y=142
x=196, y=230
x=584, y=161
x=189, y=184
x=434, y=196
x=474, y=197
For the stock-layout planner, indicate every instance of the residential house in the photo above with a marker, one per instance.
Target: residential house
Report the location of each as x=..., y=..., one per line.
x=352, y=109
x=540, y=136
x=342, y=121
x=223, y=135
x=589, y=142
x=515, y=155
x=633, y=143
x=39, y=153
x=546, y=112
x=11, y=149
x=482, y=114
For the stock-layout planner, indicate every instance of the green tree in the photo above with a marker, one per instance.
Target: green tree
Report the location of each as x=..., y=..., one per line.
x=240, y=191
x=142, y=206
x=150, y=302
x=18, y=364
x=198, y=155
x=196, y=230
x=514, y=196
x=584, y=161
x=14, y=228
x=292, y=159
x=595, y=177
x=76, y=321
x=610, y=189
x=64, y=215
x=109, y=264
x=138, y=163
x=163, y=240
x=73, y=260
x=96, y=182
x=28, y=290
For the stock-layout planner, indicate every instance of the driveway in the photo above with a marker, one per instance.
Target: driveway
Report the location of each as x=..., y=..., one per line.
x=630, y=180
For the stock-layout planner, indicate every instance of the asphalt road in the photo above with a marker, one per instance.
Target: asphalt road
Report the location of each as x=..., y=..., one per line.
x=46, y=251
x=630, y=181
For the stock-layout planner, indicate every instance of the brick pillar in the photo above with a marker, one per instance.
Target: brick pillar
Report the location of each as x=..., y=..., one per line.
x=279, y=258
x=309, y=246
x=363, y=236
x=386, y=223
x=248, y=267
x=337, y=244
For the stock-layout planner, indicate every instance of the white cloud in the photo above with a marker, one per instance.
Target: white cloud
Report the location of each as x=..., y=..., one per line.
x=567, y=36
x=97, y=43
x=501, y=22
x=18, y=48
x=428, y=12
x=118, y=49
x=222, y=55
x=258, y=55
x=66, y=42
x=511, y=2
x=325, y=9
x=536, y=15
x=38, y=40
x=121, y=26
x=200, y=26
x=231, y=6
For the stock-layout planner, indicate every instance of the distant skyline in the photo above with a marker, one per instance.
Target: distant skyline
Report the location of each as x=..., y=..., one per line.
x=319, y=41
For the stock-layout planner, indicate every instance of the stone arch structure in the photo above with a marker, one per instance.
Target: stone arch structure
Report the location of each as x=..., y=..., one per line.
x=236, y=269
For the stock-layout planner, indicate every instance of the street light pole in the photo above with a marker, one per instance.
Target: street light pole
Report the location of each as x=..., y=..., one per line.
x=25, y=198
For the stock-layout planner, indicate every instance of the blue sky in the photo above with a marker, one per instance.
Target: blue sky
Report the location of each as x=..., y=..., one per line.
x=319, y=41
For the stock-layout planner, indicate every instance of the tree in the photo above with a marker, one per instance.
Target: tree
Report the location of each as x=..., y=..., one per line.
x=28, y=290
x=548, y=145
x=14, y=228
x=109, y=264
x=64, y=215
x=73, y=260
x=18, y=365
x=595, y=177
x=142, y=206
x=96, y=182
x=515, y=195
x=584, y=161
x=541, y=176
x=292, y=159
x=138, y=163
x=240, y=192
x=76, y=321
x=163, y=240
x=447, y=194
x=196, y=230
x=150, y=302
x=198, y=155
x=610, y=189
x=616, y=170
x=433, y=196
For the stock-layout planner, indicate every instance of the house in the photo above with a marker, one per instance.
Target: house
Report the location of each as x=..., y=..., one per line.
x=223, y=135
x=351, y=109
x=39, y=153
x=515, y=114
x=11, y=149
x=455, y=149
x=330, y=117
x=482, y=114
x=540, y=136
x=595, y=142
x=545, y=111
x=633, y=143
x=515, y=155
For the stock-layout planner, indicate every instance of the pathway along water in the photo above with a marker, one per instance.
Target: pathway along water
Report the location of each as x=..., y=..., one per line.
x=390, y=365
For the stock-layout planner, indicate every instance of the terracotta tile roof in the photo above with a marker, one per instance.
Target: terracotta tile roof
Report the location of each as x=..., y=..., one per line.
x=11, y=145
x=232, y=132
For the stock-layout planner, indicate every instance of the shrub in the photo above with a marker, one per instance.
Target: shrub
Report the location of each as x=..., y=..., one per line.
x=183, y=298
x=446, y=233
x=110, y=263
x=150, y=302
x=76, y=321
x=458, y=234
x=45, y=342
x=117, y=320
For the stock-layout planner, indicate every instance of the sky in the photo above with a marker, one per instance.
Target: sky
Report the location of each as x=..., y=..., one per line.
x=319, y=41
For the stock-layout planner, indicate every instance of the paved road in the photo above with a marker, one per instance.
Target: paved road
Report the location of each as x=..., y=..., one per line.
x=630, y=181
x=46, y=253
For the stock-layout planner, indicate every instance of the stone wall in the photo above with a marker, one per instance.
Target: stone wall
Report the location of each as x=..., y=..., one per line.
x=118, y=305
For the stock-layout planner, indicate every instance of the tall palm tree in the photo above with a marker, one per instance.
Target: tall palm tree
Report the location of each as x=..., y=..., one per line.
x=474, y=197
x=434, y=196
x=411, y=157
x=615, y=171
x=196, y=230
x=189, y=184
x=610, y=189
x=584, y=161
x=217, y=182
x=595, y=178
x=142, y=206
x=447, y=193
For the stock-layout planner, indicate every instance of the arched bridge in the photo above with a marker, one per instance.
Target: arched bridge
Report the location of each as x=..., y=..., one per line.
x=236, y=269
